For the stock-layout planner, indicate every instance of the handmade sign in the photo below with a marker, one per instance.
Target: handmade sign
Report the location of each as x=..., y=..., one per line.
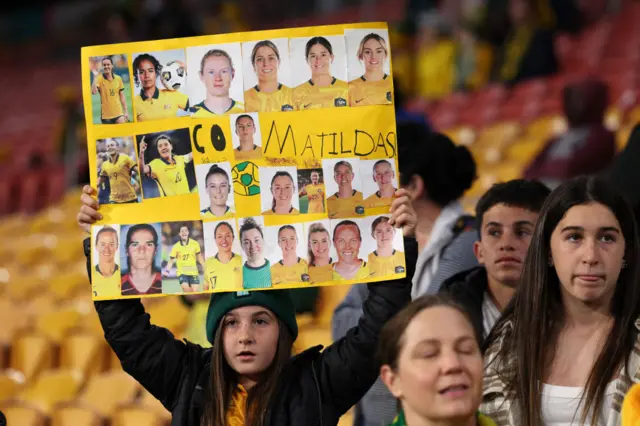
x=254, y=160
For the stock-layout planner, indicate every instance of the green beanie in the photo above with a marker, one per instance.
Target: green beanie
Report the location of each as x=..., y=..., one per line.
x=277, y=301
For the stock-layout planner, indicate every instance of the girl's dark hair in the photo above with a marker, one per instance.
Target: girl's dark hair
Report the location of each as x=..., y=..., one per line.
x=108, y=58
x=250, y=224
x=446, y=169
x=315, y=228
x=217, y=170
x=273, y=179
x=317, y=40
x=264, y=43
x=145, y=57
x=537, y=311
x=392, y=335
x=224, y=380
x=285, y=227
x=133, y=230
x=215, y=231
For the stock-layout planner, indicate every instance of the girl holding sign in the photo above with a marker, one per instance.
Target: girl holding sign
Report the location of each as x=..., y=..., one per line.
x=323, y=90
x=269, y=94
x=375, y=86
x=248, y=376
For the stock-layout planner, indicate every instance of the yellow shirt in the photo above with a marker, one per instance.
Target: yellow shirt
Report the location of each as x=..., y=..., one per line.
x=345, y=207
x=106, y=287
x=375, y=200
x=171, y=178
x=362, y=273
x=297, y=273
x=254, y=154
x=185, y=255
x=237, y=407
x=383, y=266
x=315, y=194
x=271, y=212
x=321, y=274
x=110, y=96
x=163, y=104
x=119, y=174
x=224, y=276
x=208, y=214
x=280, y=100
x=436, y=70
x=363, y=92
x=309, y=96
x=201, y=110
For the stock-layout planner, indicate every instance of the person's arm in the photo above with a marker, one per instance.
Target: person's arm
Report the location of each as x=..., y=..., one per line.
x=347, y=369
x=201, y=260
x=94, y=86
x=167, y=268
x=143, y=167
x=150, y=354
x=188, y=158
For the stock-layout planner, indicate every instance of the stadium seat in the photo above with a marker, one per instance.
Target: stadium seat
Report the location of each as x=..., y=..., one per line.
x=132, y=416
x=150, y=403
x=75, y=416
x=105, y=392
x=31, y=353
x=169, y=312
x=9, y=385
x=22, y=416
x=57, y=324
x=52, y=387
x=11, y=319
x=83, y=352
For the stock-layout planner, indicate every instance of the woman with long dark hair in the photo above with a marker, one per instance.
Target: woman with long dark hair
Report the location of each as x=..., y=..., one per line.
x=566, y=349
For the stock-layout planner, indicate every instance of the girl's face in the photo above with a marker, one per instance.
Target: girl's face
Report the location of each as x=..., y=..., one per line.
x=250, y=339
x=319, y=242
x=383, y=235
x=217, y=75
x=266, y=64
x=347, y=242
x=141, y=250
x=165, y=149
x=107, y=66
x=439, y=369
x=218, y=189
x=282, y=190
x=288, y=241
x=147, y=74
x=319, y=60
x=253, y=244
x=373, y=55
x=587, y=250
x=224, y=239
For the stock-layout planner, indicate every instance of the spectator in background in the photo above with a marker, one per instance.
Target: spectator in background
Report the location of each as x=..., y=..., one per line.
x=587, y=147
x=528, y=50
x=625, y=171
x=436, y=173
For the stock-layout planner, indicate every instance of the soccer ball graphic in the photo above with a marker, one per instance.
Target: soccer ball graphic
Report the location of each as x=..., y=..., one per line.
x=173, y=75
x=245, y=179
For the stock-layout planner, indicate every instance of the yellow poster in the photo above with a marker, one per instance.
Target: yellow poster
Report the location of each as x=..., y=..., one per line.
x=245, y=161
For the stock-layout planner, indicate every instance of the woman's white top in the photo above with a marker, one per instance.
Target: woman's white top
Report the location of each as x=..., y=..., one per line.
x=562, y=405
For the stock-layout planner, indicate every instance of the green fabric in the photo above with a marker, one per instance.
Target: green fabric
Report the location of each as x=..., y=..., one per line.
x=277, y=301
x=482, y=420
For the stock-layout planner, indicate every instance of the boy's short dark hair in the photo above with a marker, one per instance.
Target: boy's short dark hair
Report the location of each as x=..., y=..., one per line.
x=526, y=194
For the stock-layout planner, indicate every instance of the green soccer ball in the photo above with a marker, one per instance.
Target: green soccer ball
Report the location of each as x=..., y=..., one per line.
x=246, y=180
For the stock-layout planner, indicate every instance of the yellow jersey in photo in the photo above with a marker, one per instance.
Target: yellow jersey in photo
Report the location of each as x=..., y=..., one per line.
x=389, y=265
x=363, y=92
x=272, y=212
x=297, y=273
x=171, y=178
x=224, y=276
x=110, y=96
x=119, y=175
x=185, y=256
x=254, y=154
x=208, y=214
x=310, y=96
x=279, y=100
x=201, y=110
x=106, y=286
x=321, y=274
x=345, y=207
x=375, y=200
x=361, y=274
x=315, y=194
x=163, y=104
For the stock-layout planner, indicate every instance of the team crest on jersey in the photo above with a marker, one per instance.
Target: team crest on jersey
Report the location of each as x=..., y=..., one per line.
x=287, y=107
x=399, y=269
x=340, y=102
x=389, y=96
x=304, y=278
x=359, y=210
x=167, y=106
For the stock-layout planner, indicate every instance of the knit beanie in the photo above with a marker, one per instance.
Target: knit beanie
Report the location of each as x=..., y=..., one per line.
x=277, y=301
